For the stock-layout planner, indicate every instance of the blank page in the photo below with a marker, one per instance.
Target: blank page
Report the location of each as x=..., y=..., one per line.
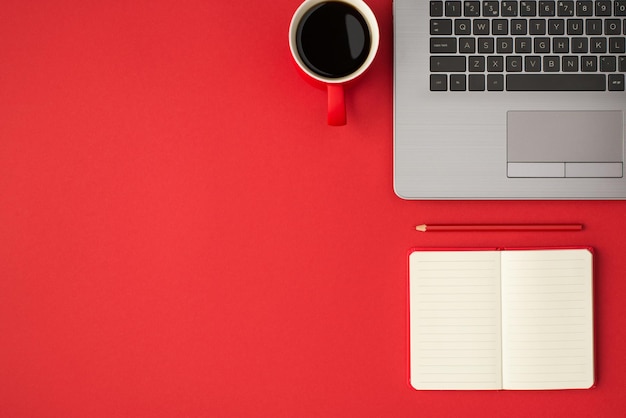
x=454, y=318
x=547, y=320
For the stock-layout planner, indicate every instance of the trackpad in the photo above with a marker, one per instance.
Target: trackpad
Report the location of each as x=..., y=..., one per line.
x=565, y=143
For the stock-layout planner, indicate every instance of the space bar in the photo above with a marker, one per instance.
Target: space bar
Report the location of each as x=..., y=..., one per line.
x=556, y=82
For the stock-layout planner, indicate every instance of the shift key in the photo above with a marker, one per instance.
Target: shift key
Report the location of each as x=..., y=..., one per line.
x=442, y=64
x=442, y=45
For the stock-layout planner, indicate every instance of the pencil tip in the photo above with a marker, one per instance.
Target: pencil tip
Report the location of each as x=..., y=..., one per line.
x=421, y=228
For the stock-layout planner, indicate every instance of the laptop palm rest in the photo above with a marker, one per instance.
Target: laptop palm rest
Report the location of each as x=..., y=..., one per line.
x=565, y=143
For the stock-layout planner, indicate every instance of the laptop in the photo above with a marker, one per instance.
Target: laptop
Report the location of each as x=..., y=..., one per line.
x=509, y=99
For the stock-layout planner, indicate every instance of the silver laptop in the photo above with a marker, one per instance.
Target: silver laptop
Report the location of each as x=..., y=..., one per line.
x=509, y=99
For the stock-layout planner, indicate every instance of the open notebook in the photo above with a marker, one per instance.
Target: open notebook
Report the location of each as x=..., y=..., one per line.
x=501, y=319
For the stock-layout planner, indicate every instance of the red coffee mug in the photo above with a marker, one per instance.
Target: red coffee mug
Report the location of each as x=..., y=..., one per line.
x=333, y=43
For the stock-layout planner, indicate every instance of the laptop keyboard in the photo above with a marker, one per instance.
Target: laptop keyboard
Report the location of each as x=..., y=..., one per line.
x=528, y=45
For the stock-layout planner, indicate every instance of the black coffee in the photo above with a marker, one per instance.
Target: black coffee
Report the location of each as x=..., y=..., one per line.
x=333, y=39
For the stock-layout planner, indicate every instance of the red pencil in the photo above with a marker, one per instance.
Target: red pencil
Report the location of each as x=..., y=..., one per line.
x=501, y=227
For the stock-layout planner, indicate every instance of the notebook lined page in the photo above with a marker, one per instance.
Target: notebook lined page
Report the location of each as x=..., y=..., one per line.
x=547, y=324
x=454, y=318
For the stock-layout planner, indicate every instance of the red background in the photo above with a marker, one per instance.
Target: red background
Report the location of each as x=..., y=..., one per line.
x=181, y=234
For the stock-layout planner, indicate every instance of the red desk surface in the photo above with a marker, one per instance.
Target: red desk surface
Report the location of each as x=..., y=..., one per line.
x=181, y=234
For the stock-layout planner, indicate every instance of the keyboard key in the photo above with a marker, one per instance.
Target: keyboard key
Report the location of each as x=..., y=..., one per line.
x=556, y=27
x=603, y=8
x=608, y=64
x=436, y=8
x=589, y=64
x=560, y=45
x=438, y=82
x=542, y=45
x=556, y=82
x=476, y=82
x=621, y=64
x=441, y=26
x=593, y=27
x=481, y=27
x=584, y=8
x=457, y=82
x=612, y=27
x=547, y=8
x=462, y=27
x=485, y=45
x=476, y=64
x=467, y=45
x=491, y=8
x=532, y=64
x=575, y=26
x=570, y=64
x=523, y=45
x=472, y=8
x=528, y=8
x=499, y=27
x=453, y=8
x=620, y=8
x=495, y=82
x=495, y=64
x=442, y=45
x=616, y=82
x=519, y=27
x=504, y=45
x=509, y=8
x=551, y=64
x=514, y=64
x=598, y=45
x=441, y=64
x=580, y=45
x=565, y=8
x=617, y=45
x=537, y=26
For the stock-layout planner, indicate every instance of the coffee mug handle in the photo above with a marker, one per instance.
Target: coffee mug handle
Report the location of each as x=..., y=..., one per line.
x=336, y=105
